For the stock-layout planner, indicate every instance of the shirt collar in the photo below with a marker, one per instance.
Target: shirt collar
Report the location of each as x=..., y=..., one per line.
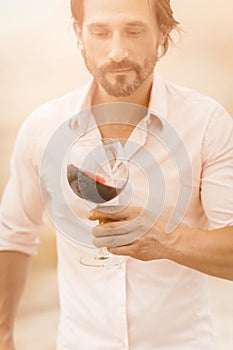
x=158, y=97
x=157, y=105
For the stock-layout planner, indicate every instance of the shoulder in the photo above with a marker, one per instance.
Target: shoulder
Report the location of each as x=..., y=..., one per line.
x=40, y=125
x=194, y=107
x=49, y=116
x=189, y=98
x=55, y=111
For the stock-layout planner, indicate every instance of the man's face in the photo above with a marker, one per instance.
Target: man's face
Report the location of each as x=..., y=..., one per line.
x=119, y=43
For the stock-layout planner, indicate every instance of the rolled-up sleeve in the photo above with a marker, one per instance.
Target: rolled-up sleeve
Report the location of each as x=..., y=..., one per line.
x=217, y=170
x=21, y=211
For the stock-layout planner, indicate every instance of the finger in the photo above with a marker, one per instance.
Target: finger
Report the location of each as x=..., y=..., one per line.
x=114, y=212
x=114, y=240
x=127, y=250
x=112, y=228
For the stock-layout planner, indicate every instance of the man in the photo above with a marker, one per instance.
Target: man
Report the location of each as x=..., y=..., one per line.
x=155, y=299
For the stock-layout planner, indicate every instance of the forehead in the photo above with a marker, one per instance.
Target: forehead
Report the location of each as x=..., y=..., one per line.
x=117, y=10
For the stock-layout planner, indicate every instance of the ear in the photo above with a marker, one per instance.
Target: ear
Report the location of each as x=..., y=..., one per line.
x=162, y=38
x=78, y=33
x=77, y=30
x=80, y=43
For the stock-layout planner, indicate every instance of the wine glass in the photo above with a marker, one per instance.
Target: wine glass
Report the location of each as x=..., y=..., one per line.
x=97, y=175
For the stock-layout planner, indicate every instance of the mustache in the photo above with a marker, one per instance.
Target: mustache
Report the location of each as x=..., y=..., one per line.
x=124, y=64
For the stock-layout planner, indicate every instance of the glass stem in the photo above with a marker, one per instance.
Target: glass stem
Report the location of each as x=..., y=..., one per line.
x=103, y=253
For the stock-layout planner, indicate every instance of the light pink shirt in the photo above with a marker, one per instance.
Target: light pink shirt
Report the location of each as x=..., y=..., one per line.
x=139, y=305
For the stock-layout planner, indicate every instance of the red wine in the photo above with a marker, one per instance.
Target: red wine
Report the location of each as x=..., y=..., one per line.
x=88, y=186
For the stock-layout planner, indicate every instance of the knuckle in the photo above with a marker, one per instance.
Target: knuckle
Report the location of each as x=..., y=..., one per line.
x=111, y=225
x=95, y=231
x=95, y=242
x=113, y=241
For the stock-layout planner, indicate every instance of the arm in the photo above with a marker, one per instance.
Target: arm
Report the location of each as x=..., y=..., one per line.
x=210, y=252
x=13, y=270
x=20, y=222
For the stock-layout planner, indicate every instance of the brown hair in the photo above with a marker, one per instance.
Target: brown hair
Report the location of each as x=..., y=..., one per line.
x=163, y=14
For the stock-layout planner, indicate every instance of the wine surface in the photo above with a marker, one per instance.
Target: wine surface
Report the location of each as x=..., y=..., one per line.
x=90, y=187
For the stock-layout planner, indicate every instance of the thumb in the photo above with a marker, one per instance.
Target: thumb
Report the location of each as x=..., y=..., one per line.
x=114, y=212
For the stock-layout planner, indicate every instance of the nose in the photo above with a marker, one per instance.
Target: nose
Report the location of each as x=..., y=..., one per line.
x=117, y=51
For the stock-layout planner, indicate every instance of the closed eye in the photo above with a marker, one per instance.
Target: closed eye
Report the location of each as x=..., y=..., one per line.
x=98, y=30
x=135, y=28
x=134, y=32
x=99, y=33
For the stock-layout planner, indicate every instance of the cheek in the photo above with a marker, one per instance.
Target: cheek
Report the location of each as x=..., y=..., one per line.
x=96, y=53
x=142, y=50
x=148, y=48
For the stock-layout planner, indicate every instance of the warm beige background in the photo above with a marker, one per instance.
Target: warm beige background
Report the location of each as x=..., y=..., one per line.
x=39, y=61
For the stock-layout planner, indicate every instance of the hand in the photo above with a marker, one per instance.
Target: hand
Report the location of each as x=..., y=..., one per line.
x=132, y=231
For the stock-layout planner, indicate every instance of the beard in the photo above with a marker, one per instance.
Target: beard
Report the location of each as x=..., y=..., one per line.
x=119, y=86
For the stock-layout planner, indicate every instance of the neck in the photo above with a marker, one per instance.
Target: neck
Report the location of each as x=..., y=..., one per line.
x=140, y=97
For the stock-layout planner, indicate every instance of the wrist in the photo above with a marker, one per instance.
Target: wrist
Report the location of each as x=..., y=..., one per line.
x=174, y=241
x=182, y=242
x=166, y=242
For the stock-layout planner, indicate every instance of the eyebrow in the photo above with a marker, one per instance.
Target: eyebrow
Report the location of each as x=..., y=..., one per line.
x=128, y=24
x=136, y=24
x=96, y=24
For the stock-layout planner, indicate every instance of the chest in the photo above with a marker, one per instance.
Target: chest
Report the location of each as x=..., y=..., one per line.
x=116, y=130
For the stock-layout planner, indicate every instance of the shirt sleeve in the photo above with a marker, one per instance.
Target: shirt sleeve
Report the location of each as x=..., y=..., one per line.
x=21, y=210
x=217, y=170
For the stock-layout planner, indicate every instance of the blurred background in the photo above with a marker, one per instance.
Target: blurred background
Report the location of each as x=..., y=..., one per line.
x=39, y=61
